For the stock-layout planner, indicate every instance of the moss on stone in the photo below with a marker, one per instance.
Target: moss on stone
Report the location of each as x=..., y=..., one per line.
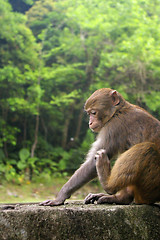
x=78, y=221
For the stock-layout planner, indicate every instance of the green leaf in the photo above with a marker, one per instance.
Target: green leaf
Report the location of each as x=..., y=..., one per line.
x=62, y=164
x=24, y=154
x=21, y=165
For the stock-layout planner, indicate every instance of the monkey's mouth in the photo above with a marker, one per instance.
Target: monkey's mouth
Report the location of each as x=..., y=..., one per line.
x=95, y=129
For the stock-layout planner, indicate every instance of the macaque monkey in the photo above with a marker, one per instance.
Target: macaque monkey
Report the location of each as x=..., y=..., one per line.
x=125, y=130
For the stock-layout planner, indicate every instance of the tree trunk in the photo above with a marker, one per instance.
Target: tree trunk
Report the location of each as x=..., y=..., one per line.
x=4, y=117
x=44, y=128
x=35, y=136
x=66, y=126
x=79, y=123
x=5, y=149
x=24, y=131
x=30, y=170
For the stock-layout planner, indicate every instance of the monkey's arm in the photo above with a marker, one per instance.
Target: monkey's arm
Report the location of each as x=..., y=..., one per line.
x=103, y=167
x=84, y=174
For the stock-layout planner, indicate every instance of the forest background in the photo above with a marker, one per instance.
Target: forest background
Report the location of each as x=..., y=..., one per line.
x=53, y=55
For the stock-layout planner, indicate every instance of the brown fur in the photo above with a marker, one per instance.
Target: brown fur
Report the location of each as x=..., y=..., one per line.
x=138, y=169
x=121, y=126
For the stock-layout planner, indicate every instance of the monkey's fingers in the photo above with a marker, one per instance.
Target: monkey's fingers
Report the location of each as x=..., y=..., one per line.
x=91, y=198
x=109, y=199
x=100, y=154
x=51, y=203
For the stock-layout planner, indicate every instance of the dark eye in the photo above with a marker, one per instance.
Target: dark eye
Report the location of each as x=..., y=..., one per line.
x=93, y=112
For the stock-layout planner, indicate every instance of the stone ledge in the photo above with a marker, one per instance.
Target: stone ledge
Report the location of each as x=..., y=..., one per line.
x=80, y=222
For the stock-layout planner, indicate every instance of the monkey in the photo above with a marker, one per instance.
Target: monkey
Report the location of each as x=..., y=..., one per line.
x=129, y=132
x=140, y=177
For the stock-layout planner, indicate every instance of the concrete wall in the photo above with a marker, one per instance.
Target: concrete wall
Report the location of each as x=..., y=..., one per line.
x=80, y=222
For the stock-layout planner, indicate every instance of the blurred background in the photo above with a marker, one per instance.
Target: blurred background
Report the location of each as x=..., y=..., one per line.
x=53, y=55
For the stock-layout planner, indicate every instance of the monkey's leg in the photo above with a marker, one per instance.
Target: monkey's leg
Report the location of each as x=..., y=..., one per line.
x=124, y=196
x=103, y=170
x=84, y=174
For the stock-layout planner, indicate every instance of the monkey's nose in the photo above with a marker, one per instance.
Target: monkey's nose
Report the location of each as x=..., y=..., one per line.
x=90, y=123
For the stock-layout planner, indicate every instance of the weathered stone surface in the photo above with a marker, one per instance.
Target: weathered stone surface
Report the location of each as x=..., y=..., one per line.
x=80, y=222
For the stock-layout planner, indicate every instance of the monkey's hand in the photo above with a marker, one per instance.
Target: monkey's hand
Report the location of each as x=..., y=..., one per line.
x=91, y=198
x=51, y=203
x=101, y=155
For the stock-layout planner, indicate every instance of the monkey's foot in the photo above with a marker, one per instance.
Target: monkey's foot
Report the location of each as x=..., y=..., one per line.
x=122, y=197
x=51, y=203
x=100, y=198
x=91, y=198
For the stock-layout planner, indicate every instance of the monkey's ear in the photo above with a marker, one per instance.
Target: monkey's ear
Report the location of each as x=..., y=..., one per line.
x=115, y=97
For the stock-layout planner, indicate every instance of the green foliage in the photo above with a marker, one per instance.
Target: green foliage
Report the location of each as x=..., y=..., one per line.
x=65, y=99
x=152, y=101
x=52, y=57
x=8, y=133
x=23, y=155
x=89, y=139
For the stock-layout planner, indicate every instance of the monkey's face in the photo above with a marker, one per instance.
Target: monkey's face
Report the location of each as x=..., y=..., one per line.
x=101, y=106
x=95, y=124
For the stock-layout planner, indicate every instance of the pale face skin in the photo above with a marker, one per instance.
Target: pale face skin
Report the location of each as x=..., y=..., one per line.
x=94, y=123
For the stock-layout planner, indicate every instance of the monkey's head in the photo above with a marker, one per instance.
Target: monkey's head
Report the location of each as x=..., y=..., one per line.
x=101, y=106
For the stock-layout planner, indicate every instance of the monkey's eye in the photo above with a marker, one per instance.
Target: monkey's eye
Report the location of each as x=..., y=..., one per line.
x=93, y=112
